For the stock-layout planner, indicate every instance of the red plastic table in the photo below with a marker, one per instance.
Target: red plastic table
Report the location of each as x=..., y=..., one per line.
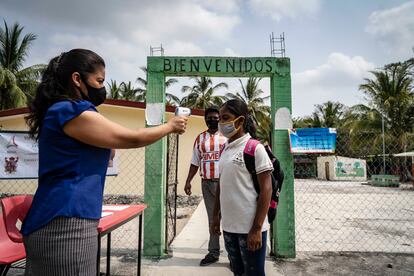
x=109, y=223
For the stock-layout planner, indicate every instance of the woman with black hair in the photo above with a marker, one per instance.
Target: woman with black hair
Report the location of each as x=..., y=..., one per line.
x=242, y=211
x=75, y=142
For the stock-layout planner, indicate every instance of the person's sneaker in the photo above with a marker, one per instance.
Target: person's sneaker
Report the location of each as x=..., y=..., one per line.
x=208, y=260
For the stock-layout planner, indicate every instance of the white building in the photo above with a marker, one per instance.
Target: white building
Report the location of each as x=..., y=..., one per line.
x=341, y=168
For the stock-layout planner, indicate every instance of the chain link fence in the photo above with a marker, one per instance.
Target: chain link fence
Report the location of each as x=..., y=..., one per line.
x=172, y=182
x=338, y=207
x=360, y=199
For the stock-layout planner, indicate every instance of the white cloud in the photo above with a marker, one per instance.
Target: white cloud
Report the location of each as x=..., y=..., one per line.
x=277, y=9
x=122, y=59
x=182, y=20
x=143, y=21
x=226, y=6
x=123, y=32
x=394, y=28
x=182, y=48
x=335, y=80
x=231, y=53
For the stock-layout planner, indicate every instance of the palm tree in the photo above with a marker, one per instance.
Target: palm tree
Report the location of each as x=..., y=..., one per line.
x=172, y=100
x=390, y=95
x=201, y=95
x=129, y=92
x=307, y=121
x=263, y=130
x=142, y=91
x=252, y=95
x=13, y=52
x=329, y=114
x=11, y=95
x=114, y=90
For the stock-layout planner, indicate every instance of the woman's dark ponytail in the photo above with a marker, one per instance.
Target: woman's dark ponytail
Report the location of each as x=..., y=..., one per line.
x=47, y=93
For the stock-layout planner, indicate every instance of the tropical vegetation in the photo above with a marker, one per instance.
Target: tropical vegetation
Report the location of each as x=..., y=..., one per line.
x=16, y=82
x=387, y=116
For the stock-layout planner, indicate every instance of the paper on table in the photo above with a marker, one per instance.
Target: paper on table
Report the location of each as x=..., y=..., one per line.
x=104, y=214
x=114, y=208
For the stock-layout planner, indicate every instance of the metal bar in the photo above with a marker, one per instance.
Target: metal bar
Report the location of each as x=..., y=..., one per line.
x=139, y=245
x=167, y=198
x=4, y=269
x=383, y=143
x=108, y=254
x=98, y=259
x=176, y=184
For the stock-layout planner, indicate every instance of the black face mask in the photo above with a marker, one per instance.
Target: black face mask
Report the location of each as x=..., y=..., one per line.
x=95, y=95
x=212, y=124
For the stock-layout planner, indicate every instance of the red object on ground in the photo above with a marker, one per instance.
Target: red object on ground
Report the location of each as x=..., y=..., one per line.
x=10, y=251
x=15, y=209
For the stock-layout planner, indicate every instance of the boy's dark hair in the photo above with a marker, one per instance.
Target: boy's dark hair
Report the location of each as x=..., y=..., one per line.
x=239, y=108
x=56, y=84
x=212, y=109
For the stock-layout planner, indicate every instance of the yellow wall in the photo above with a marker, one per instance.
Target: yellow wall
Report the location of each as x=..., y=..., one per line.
x=131, y=163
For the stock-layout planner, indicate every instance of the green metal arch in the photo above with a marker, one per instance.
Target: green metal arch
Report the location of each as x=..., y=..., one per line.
x=278, y=70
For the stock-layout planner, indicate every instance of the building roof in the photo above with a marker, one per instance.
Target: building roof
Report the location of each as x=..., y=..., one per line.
x=121, y=103
x=405, y=154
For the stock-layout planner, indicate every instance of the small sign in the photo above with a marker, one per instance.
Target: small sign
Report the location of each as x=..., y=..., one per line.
x=19, y=156
x=312, y=140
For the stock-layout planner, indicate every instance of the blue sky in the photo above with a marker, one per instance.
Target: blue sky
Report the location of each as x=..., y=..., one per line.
x=332, y=44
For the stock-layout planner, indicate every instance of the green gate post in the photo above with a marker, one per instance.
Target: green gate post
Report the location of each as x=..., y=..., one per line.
x=284, y=225
x=155, y=166
x=278, y=69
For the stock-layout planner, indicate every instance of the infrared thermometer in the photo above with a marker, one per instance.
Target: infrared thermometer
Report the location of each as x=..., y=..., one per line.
x=182, y=111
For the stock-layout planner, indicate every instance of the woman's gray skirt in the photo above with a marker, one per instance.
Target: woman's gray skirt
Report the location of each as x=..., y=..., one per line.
x=64, y=247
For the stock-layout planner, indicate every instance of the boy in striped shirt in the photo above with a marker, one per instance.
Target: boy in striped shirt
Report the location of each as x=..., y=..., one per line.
x=206, y=155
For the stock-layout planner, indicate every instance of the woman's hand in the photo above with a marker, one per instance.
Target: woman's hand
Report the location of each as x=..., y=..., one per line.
x=178, y=124
x=254, y=240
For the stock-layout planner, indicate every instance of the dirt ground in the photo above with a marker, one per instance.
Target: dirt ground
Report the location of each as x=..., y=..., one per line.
x=350, y=263
x=334, y=220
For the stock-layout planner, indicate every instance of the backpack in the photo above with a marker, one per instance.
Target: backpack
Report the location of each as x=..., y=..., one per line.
x=277, y=175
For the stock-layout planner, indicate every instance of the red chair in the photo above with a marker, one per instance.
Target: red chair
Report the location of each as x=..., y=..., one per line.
x=10, y=252
x=11, y=247
x=15, y=209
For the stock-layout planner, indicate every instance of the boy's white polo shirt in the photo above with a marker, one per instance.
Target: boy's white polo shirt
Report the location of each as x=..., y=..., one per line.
x=238, y=197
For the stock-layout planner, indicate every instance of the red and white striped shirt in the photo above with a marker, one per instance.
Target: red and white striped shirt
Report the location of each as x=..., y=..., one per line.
x=206, y=154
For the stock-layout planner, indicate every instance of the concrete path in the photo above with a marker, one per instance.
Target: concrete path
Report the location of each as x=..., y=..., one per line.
x=189, y=247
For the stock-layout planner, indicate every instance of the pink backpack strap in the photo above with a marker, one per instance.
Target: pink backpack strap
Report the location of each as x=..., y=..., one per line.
x=250, y=147
x=222, y=148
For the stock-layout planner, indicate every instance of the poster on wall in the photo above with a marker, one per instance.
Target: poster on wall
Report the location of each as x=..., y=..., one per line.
x=312, y=140
x=350, y=168
x=19, y=156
